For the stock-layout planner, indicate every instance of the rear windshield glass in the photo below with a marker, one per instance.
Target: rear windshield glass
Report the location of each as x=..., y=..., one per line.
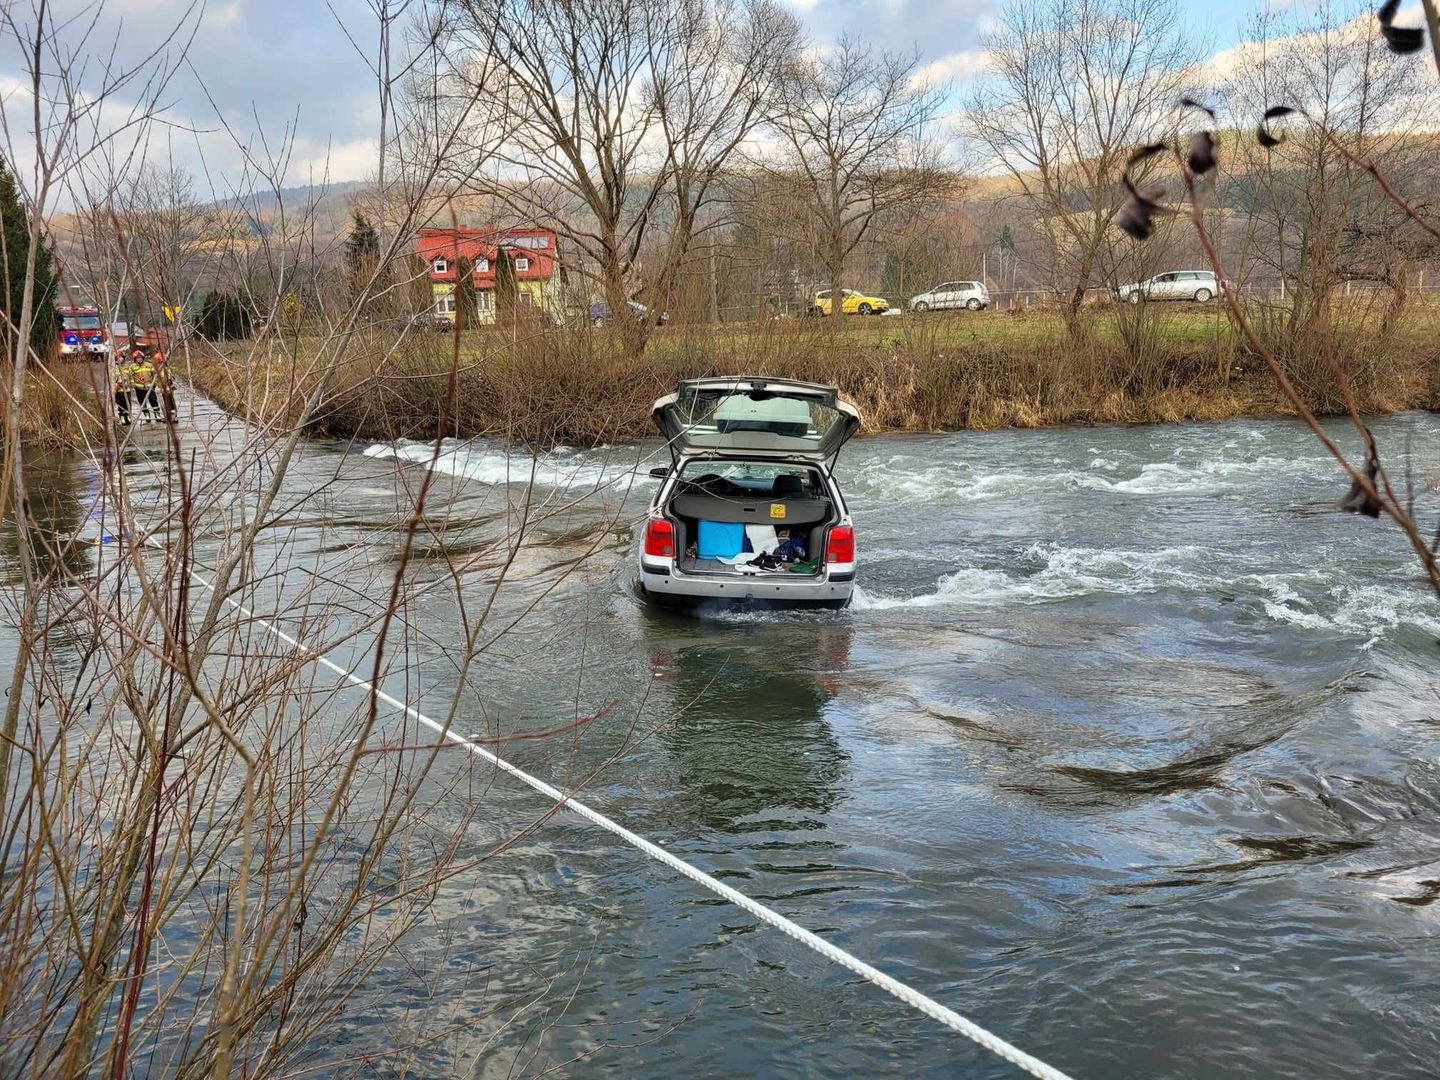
x=758, y=477
x=722, y=417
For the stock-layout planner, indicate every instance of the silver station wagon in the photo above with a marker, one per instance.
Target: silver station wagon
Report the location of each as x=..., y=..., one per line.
x=748, y=510
x=972, y=295
x=1196, y=285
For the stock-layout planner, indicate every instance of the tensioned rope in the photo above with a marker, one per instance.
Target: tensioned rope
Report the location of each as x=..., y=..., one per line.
x=909, y=995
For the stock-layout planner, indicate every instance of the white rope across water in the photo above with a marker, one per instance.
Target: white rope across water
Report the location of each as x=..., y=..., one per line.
x=909, y=995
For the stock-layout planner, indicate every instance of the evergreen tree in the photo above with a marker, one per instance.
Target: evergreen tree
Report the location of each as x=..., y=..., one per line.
x=13, y=258
x=362, y=252
x=507, y=289
x=223, y=316
x=422, y=295
x=465, y=313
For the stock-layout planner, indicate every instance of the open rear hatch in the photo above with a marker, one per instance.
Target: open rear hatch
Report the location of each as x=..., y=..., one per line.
x=756, y=416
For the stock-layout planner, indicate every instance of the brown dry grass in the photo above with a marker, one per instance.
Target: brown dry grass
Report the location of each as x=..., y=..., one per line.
x=576, y=386
x=65, y=402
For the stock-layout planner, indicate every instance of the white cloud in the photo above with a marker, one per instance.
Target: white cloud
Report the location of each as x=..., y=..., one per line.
x=958, y=67
x=223, y=16
x=1226, y=64
x=335, y=162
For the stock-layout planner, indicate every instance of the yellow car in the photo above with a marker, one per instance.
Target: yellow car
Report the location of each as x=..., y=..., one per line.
x=853, y=303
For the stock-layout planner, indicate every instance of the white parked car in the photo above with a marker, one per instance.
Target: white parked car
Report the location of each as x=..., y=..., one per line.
x=748, y=510
x=953, y=294
x=1197, y=285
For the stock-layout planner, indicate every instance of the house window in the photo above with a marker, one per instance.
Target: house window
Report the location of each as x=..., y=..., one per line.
x=445, y=305
x=441, y=264
x=522, y=263
x=482, y=265
x=484, y=301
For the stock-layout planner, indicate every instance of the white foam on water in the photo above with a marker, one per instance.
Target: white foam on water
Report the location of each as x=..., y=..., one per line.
x=560, y=468
x=1370, y=611
x=1208, y=477
x=906, y=477
x=1328, y=604
x=1066, y=573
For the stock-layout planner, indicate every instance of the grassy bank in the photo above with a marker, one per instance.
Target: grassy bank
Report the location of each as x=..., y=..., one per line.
x=65, y=403
x=935, y=373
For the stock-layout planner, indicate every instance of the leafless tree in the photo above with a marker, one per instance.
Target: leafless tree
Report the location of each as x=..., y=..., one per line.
x=1316, y=220
x=208, y=844
x=855, y=143
x=619, y=115
x=717, y=68
x=1073, y=85
x=1372, y=491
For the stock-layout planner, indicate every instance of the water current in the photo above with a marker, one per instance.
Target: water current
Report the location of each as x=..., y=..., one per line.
x=1129, y=749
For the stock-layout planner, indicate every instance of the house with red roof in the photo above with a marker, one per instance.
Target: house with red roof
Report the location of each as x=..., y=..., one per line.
x=533, y=252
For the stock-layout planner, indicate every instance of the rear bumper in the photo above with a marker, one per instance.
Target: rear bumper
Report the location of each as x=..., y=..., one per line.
x=774, y=587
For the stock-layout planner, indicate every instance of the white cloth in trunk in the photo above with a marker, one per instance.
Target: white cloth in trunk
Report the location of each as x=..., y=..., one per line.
x=763, y=541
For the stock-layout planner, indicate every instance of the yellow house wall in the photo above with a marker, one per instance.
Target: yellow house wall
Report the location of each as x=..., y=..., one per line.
x=540, y=293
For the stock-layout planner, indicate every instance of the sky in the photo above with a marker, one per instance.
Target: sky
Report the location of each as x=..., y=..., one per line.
x=288, y=65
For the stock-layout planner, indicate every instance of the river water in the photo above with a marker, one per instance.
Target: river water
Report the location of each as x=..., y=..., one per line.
x=1129, y=750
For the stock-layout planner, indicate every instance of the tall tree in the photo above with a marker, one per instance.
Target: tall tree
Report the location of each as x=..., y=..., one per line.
x=1315, y=219
x=362, y=253
x=164, y=224
x=621, y=114
x=507, y=288
x=1073, y=86
x=466, y=313
x=854, y=127
x=14, y=257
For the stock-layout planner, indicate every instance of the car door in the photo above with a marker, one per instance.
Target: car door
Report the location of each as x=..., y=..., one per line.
x=1162, y=287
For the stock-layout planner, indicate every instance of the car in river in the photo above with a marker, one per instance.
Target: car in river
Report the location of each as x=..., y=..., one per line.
x=748, y=509
x=1197, y=285
x=971, y=295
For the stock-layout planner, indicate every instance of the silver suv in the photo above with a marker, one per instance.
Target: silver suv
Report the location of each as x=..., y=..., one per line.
x=953, y=294
x=749, y=509
x=1197, y=285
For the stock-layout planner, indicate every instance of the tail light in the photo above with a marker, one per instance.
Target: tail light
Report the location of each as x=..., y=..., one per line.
x=660, y=538
x=840, y=547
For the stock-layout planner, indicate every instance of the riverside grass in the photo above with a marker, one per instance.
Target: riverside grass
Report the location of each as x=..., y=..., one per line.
x=576, y=386
x=65, y=403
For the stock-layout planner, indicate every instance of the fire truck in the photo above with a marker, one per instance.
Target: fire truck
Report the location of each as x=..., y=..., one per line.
x=82, y=333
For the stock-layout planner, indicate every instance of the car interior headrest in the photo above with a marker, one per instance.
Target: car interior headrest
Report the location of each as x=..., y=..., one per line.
x=788, y=484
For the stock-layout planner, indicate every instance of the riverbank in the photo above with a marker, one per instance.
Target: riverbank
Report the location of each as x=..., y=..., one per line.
x=911, y=374
x=64, y=403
